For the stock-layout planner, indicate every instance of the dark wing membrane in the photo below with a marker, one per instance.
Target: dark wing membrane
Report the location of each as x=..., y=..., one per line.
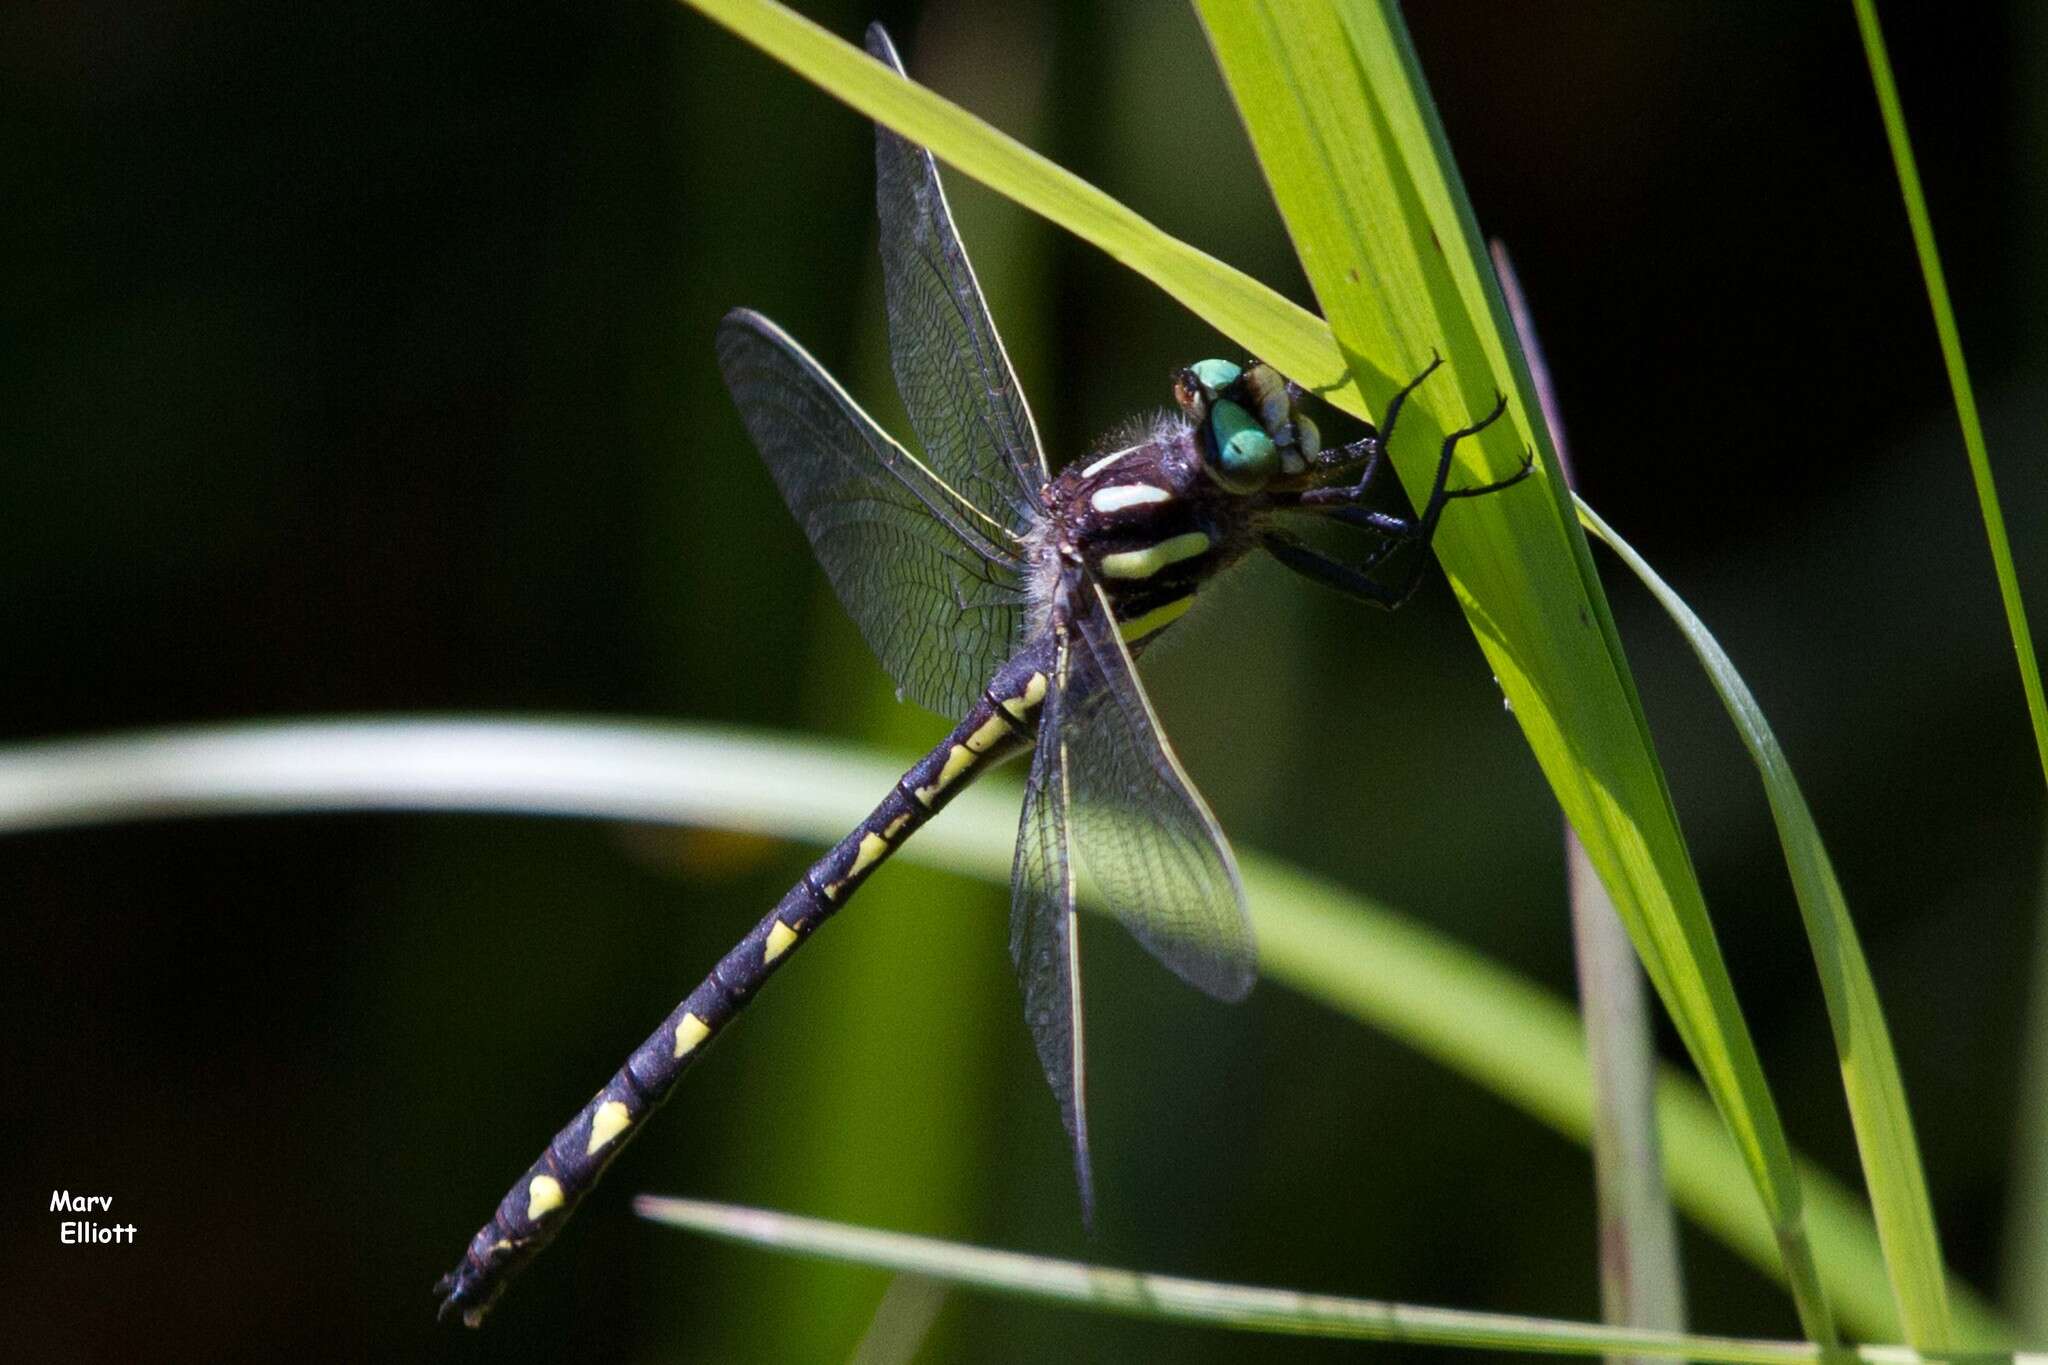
x=1042, y=939
x=955, y=378
x=1145, y=834
x=930, y=581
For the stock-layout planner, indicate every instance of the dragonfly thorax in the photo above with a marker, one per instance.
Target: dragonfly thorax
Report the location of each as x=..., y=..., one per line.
x=1160, y=513
x=1147, y=521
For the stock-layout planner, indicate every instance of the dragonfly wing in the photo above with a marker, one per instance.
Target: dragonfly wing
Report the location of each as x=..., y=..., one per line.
x=932, y=583
x=955, y=378
x=1144, y=832
x=1043, y=943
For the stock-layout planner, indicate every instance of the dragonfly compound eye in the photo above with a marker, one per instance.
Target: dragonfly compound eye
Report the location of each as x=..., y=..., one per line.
x=1196, y=388
x=1241, y=455
x=1216, y=375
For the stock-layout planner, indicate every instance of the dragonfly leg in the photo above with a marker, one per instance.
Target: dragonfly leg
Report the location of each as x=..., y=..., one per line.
x=1386, y=432
x=1440, y=494
x=1355, y=580
x=1370, y=448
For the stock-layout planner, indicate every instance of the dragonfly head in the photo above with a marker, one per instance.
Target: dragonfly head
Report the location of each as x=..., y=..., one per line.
x=1250, y=423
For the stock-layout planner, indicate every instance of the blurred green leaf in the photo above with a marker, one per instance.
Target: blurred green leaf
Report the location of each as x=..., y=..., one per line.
x=1475, y=1017
x=1245, y=1308
x=2026, y=1218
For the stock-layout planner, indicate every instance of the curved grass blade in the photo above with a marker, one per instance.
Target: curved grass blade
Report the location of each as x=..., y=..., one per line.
x=1342, y=121
x=1958, y=372
x=1382, y=969
x=2029, y=1199
x=1233, y=302
x=1870, y=1070
x=1641, y=1284
x=1245, y=1308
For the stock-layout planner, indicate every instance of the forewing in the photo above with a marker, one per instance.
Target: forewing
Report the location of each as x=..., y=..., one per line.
x=955, y=378
x=1144, y=833
x=1043, y=943
x=930, y=581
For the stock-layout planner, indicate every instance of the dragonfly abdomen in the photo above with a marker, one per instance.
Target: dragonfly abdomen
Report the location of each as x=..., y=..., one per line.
x=999, y=726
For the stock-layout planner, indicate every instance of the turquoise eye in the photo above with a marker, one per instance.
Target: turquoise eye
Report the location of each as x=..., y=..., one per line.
x=1218, y=375
x=1243, y=456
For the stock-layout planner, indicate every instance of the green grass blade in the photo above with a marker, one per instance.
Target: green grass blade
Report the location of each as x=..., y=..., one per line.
x=1922, y=224
x=1641, y=1284
x=1958, y=372
x=1233, y=302
x=2026, y=1228
x=1367, y=963
x=902, y=1321
x=1173, y=1298
x=1870, y=1071
x=1341, y=119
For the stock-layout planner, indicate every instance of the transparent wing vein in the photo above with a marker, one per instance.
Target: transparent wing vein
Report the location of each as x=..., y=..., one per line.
x=1043, y=943
x=933, y=587
x=963, y=397
x=1144, y=833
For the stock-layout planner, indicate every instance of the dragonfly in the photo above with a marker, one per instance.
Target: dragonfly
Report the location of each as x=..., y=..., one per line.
x=993, y=590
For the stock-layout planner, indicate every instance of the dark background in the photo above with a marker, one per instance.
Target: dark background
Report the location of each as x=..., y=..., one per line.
x=357, y=359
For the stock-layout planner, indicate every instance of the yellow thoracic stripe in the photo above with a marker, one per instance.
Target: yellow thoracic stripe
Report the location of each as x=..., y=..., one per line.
x=1138, y=627
x=1150, y=560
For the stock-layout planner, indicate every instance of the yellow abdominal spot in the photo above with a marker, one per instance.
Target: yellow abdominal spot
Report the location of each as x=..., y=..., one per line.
x=689, y=1033
x=895, y=827
x=1138, y=627
x=873, y=847
x=780, y=940
x=609, y=1121
x=958, y=761
x=1025, y=702
x=543, y=1197
x=984, y=739
x=1150, y=560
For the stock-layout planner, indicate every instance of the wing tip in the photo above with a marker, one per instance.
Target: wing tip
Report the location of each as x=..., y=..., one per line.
x=882, y=48
x=1237, y=987
x=742, y=325
x=743, y=317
